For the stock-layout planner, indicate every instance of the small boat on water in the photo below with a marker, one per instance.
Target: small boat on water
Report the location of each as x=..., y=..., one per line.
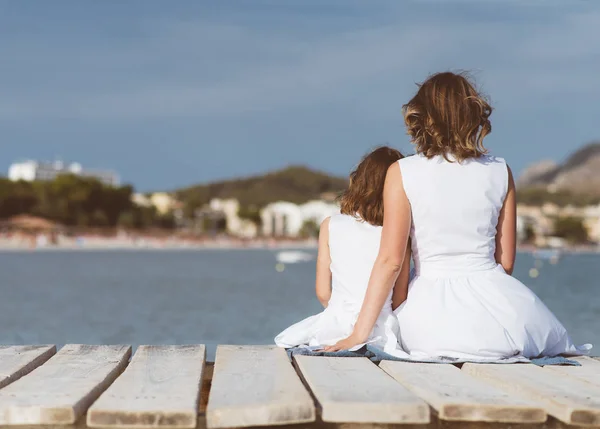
x=293, y=257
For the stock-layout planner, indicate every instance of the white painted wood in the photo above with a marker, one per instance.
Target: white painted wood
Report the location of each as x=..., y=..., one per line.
x=354, y=390
x=589, y=371
x=17, y=361
x=61, y=390
x=159, y=389
x=456, y=395
x=569, y=400
x=256, y=386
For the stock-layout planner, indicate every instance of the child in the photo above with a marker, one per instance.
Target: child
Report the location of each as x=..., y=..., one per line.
x=348, y=246
x=463, y=302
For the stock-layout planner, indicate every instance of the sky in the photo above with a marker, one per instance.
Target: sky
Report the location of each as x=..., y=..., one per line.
x=173, y=93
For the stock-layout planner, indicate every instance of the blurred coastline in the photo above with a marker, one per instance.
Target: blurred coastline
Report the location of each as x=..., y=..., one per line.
x=124, y=241
x=144, y=242
x=54, y=205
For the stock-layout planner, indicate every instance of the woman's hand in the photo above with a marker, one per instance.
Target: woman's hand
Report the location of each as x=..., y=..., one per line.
x=345, y=344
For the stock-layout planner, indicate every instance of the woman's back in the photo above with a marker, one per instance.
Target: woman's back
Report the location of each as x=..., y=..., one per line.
x=461, y=304
x=455, y=208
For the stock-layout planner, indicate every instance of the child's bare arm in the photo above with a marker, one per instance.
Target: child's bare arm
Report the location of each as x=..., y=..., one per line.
x=401, y=286
x=323, y=282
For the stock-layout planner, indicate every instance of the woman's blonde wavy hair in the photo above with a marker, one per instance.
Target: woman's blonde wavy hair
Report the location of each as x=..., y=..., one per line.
x=364, y=196
x=448, y=116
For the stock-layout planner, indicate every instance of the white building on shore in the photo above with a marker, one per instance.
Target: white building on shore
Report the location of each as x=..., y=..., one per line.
x=163, y=202
x=285, y=219
x=36, y=170
x=236, y=225
x=541, y=220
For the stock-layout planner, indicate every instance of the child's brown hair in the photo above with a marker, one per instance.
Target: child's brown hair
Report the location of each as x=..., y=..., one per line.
x=448, y=116
x=364, y=196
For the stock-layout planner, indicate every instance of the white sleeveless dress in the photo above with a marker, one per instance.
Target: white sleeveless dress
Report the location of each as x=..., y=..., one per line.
x=353, y=248
x=461, y=304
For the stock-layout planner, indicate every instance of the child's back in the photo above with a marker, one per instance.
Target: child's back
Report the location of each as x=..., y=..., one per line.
x=353, y=247
x=348, y=246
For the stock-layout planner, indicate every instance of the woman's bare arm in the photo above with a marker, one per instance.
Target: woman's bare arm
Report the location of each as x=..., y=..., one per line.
x=323, y=282
x=506, y=231
x=394, y=238
x=401, y=287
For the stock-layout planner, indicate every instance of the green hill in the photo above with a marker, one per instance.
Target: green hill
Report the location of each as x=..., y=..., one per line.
x=296, y=184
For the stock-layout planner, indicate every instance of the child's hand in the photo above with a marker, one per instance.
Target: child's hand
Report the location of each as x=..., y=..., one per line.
x=345, y=344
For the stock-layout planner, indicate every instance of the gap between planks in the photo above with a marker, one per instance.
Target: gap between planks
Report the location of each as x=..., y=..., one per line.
x=60, y=391
x=568, y=399
x=17, y=361
x=355, y=390
x=256, y=386
x=458, y=396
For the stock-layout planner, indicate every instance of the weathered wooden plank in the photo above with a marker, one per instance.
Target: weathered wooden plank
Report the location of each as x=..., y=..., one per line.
x=354, y=390
x=256, y=386
x=570, y=400
x=456, y=395
x=61, y=390
x=17, y=361
x=160, y=388
x=589, y=371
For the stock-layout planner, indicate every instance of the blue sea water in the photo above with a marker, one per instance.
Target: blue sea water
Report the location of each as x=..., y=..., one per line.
x=212, y=296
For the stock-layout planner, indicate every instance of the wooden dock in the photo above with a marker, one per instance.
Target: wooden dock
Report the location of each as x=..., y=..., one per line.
x=172, y=387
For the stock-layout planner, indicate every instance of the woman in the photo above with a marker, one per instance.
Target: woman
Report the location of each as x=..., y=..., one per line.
x=458, y=206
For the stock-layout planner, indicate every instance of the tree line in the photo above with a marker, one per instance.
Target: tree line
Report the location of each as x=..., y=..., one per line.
x=78, y=202
x=535, y=196
x=85, y=202
x=570, y=228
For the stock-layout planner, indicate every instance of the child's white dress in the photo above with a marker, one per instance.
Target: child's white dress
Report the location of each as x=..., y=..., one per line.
x=353, y=248
x=461, y=304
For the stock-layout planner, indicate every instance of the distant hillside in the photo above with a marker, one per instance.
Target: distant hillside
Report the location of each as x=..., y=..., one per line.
x=296, y=184
x=534, y=174
x=578, y=175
